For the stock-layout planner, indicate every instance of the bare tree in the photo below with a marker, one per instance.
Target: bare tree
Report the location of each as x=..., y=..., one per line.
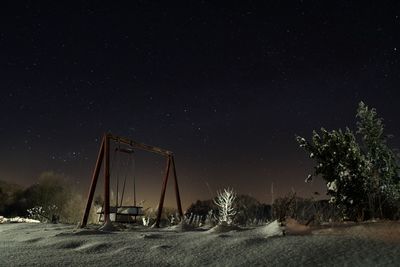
x=224, y=201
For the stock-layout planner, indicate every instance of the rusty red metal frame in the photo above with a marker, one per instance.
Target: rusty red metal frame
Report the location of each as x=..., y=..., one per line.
x=104, y=154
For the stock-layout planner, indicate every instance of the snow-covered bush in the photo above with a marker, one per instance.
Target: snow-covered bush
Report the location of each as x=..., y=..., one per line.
x=342, y=165
x=44, y=214
x=383, y=178
x=360, y=179
x=225, y=202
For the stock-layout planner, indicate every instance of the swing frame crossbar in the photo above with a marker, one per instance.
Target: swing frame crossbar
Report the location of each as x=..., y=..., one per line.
x=104, y=155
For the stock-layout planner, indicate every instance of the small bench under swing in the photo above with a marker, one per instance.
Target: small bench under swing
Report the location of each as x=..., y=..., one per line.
x=123, y=213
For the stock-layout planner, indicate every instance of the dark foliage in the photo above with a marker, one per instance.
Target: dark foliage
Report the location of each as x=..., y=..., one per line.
x=50, y=193
x=305, y=210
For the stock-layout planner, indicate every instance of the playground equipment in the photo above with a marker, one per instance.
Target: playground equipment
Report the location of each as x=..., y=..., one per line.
x=120, y=213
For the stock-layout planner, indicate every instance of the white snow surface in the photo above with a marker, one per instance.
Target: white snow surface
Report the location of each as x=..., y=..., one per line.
x=367, y=244
x=17, y=220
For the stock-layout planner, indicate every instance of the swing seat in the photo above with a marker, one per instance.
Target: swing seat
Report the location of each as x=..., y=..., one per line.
x=130, y=210
x=122, y=214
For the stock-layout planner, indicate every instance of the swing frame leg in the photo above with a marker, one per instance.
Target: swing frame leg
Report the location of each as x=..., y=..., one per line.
x=107, y=181
x=170, y=161
x=93, y=184
x=177, y=195
x=164, y=187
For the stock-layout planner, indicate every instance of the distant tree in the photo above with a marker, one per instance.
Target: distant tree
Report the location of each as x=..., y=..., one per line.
x=50, y=195
x=9, y=195
x=248, y=209
x=202, y=207
x=284, y=206
x=3, y=201
x=50, y=199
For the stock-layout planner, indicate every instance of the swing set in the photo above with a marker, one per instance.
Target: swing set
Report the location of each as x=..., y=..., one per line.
x=119, y=212
x=126, y=213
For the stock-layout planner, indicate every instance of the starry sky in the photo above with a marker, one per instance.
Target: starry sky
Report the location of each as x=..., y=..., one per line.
x=224, y=86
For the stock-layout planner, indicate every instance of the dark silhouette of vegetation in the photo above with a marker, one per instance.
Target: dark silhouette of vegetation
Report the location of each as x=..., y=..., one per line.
x=51, y=199
x=251, y=211
x=304, y=210
x=248, y=210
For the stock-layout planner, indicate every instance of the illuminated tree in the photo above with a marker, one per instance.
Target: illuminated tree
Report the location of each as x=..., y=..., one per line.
x=225, y=202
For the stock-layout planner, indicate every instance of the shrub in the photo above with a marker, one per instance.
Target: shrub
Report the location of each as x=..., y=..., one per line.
x=361, y=177
x=340, y=162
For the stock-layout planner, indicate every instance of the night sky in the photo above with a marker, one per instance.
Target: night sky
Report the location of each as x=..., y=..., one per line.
x=225, y=87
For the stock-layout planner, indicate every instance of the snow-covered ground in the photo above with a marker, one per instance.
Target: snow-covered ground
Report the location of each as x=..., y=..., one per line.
x=17, y=220
x=369, y=244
